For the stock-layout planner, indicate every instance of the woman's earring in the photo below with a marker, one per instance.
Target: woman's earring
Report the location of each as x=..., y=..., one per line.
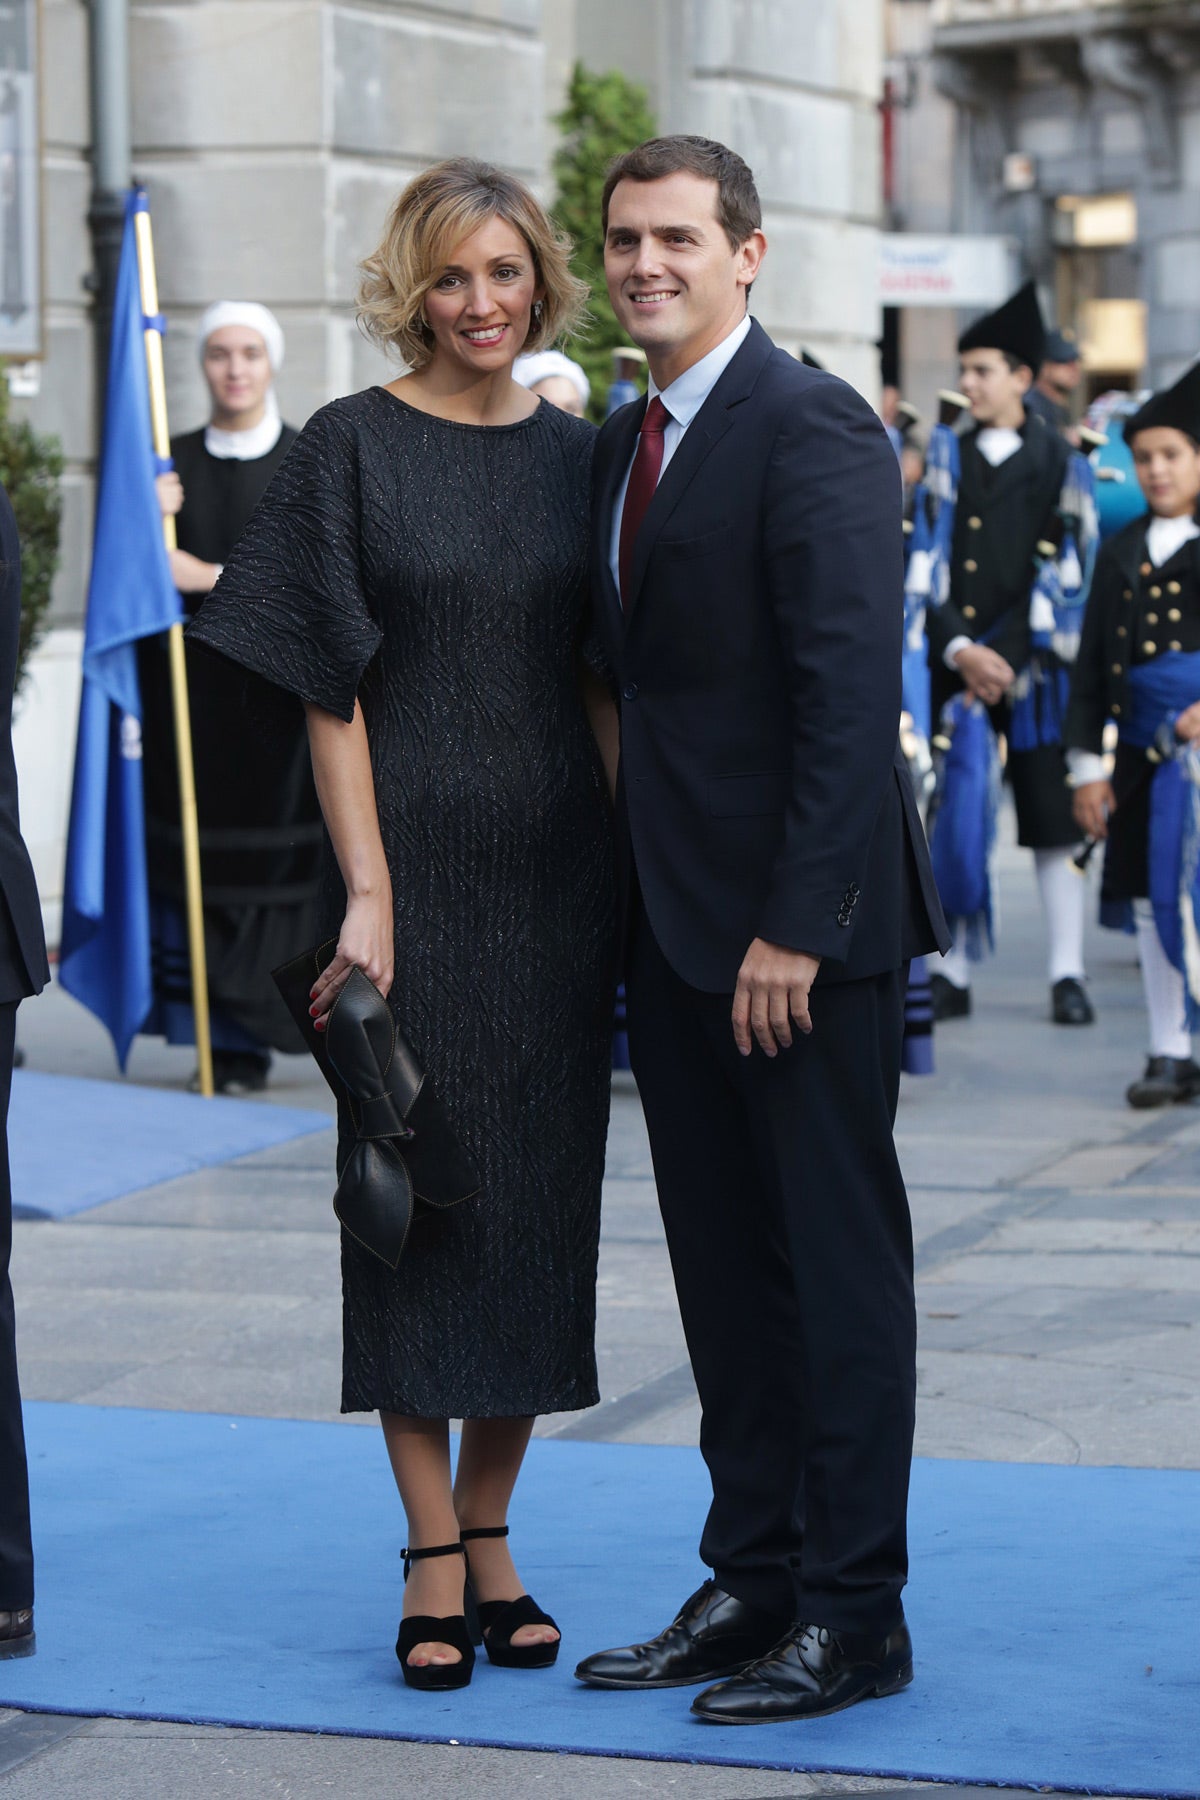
x=537, y=312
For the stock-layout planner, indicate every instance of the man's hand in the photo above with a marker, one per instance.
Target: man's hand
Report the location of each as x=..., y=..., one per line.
x=1187, y=725
x=190, y=575
x=1091, y=804
x=170, y=493
x=985, y=672
x=772, y=994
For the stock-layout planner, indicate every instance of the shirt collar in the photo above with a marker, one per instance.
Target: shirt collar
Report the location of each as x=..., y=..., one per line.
x=688, y=392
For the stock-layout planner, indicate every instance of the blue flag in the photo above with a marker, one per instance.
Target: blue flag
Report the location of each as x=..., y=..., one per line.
x=105, y=955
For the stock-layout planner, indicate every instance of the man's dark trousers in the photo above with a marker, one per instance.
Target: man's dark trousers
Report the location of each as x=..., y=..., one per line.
x=16, y=1550
x=792, y=1256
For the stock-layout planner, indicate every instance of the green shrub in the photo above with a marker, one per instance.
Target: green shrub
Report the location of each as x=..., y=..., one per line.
x=604, y=115
x=31, y=471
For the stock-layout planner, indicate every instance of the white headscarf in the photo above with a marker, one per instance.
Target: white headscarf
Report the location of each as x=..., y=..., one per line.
x=529, y=370
x=244, y=446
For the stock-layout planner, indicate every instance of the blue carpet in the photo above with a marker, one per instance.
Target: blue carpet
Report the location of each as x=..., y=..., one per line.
x=246, y=1572
x=74, y=1144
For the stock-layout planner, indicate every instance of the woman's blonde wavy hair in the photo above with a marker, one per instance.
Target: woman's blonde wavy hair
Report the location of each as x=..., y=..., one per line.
x=436, y=211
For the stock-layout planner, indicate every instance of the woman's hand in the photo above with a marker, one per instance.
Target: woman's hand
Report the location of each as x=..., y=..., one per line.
x=170, y=493
x=1091, y=804
x=367, y=943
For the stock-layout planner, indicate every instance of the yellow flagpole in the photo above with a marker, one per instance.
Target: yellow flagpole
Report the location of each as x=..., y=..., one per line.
x=189, y=818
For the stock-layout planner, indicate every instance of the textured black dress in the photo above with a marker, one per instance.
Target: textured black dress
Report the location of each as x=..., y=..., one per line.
x=435, y=571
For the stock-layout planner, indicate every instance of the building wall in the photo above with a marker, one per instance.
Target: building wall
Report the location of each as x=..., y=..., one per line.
x=273, y=134
x=1105, y=98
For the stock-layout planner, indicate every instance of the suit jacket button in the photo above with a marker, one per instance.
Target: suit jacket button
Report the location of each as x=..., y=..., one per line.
x=630, y=691
x=843, y=918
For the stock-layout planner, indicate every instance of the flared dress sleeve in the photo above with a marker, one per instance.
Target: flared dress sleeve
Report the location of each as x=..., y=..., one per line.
x=291, y=604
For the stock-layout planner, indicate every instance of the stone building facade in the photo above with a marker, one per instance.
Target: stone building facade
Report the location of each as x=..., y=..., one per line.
x=1079, y=135
x=272, y=135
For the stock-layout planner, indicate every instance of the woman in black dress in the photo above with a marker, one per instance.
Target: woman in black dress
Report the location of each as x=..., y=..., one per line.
x=260, y=841
x=415, y=575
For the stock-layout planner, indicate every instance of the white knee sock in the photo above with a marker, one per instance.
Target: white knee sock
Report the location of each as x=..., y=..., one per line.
x=955, y=965
x=1163, y=985
x=1064, y=897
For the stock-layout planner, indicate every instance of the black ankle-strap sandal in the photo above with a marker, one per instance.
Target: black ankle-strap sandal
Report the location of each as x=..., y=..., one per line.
x=423, y=1628
x=500, y=1619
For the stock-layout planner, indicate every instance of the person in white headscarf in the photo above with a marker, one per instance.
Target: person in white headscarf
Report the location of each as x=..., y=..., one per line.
x=556, y=378
x=260, y=830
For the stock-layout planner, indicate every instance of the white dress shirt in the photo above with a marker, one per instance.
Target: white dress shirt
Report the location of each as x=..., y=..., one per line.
x=683, y=400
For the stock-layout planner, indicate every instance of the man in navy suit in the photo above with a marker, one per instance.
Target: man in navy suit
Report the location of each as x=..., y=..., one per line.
x=23, y=970
x=748, y=583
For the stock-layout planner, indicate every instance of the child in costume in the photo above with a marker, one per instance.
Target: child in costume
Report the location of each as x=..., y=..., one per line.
x=1139, y=666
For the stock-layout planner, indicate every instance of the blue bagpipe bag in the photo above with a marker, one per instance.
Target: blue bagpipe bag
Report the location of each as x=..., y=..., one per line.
x=927, y=569
x=1056, y=606
x=963, y=826
x=1158, y=692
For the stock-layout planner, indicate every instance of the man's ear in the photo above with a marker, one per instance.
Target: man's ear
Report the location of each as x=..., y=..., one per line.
x=750, y=256
x=1024, y=377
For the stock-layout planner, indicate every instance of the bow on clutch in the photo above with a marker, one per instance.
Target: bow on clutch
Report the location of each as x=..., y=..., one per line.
x=405, y=1158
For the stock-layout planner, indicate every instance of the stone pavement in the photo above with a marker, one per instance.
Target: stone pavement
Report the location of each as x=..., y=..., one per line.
x=1058, y=1251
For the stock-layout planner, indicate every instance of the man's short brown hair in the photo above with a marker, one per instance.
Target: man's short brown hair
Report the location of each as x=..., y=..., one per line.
x=738, y=208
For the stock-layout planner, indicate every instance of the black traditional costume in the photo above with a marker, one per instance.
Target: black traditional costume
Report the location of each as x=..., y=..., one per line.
x=260, y=823
x=1138, y=667
x=1008, y=512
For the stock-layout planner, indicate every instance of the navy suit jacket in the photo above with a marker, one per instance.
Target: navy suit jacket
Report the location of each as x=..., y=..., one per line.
x=23, y=968
x=762, y=790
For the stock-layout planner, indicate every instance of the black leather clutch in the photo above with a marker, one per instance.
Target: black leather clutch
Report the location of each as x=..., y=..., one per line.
x=405, y=1158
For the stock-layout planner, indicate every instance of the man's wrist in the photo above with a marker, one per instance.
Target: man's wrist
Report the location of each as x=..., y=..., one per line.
x=954, y=650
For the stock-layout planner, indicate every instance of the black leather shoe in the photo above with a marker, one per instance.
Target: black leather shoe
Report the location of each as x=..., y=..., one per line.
x=1166, y=1082
x=16, y=1633
x=1069, y=1004
x=713, y=1634
x=812, y=1672
x=949, y=1002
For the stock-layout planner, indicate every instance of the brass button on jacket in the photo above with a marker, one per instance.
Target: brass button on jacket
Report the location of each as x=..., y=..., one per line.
x=1149, y=649
x=1156, y=593
x=1152, y=618
x=970, y=566
x=1173, y=587
x=968, y=612
x=975, y=524
x=1174, y=615
x=1146, y=569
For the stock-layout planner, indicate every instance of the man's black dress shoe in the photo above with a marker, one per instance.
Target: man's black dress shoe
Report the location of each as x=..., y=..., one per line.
x=1069, y=1004
x=812, y=1672
x=16, y=1633
x=1168, y=1081
x=949, y=1002
x=714, y=1634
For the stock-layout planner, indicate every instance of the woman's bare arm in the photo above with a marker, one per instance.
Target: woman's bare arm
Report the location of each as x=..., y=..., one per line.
x=341, y=761
x=606, y=729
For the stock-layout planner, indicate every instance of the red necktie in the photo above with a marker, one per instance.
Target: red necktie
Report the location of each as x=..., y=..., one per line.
x=643, y=479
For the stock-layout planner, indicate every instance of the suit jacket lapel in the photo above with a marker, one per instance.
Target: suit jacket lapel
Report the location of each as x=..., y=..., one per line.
x=706, y=429
x=619, y=452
